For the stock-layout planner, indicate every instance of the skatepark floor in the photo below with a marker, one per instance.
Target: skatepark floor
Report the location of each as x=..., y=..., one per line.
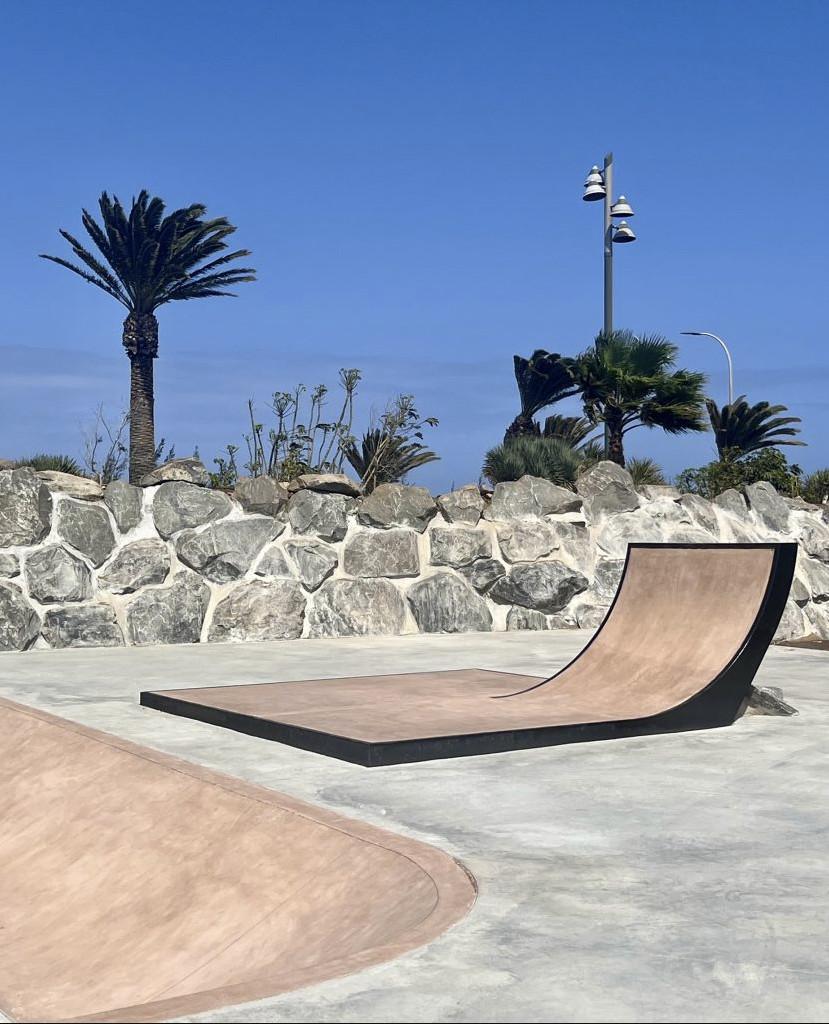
x=668, y=878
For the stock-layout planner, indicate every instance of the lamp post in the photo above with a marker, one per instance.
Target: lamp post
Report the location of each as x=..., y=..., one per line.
x=717, y=338
x=599, y=185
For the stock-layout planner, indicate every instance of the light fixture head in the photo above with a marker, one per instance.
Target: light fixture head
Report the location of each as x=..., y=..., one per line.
x=623, y=233
x=594, y=186
x=595, y=177
x=696, y=334
x=621, y=208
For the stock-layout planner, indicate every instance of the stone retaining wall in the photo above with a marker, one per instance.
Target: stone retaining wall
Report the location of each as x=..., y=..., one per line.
x=175, y=562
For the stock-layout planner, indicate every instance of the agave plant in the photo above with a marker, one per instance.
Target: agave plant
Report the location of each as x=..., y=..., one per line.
x=740, y=428
x=145, y=260
x=549, y=457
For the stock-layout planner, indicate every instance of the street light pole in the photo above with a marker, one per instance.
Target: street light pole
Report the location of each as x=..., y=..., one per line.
x=717, y=338
x=608, y=248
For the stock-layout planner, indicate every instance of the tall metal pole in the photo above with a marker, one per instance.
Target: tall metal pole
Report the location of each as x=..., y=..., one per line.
x=608, y=266
x=716, y=337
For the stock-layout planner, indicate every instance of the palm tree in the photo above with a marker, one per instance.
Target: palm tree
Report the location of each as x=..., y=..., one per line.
x=542, y=380
x=551, y=458
x=740, y=428
x=575, y=430
x=146, y=260
x=627, y=382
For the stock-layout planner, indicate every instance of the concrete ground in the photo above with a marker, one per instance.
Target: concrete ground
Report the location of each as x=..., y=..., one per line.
x=671, y=878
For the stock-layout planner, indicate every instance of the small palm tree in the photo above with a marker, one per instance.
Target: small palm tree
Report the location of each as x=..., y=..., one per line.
x=551, y=458
x=627, y=381
x=740, y=428
x=542, y=380
x=146, y=260
x=575, y=430
x=385, y=458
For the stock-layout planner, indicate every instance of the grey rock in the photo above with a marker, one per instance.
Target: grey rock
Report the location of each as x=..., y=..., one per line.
x=545, y=586
x=7, y=464
x=606, y=580
x=800, y=593
x=397, y=505
x=458, y=547
x=465, y=505
x=768, y=700
x=390, y=553
x=607, y=489
x=444, y=603
x=483, y=573
x=701, y=512
x=524, y=541
x=732, y=501
x=273, y=563
x=591, y=616
x=814, y=539
x=818, y=616
x=816, y=575
x=140, y=563
x=574, y=545
x=616, y=532
x=793, y=623
x=526, y=618
x=800, y=505
x=319, y=515
x=68, y=483
x=171, y=614
x=19, y=622
x=314, y=561
x=768, y=506
x=87, y=528
x=182, y=506
x=261, y=494
x=125, y=503
x=360, y=607
x=25, y=507
x=529, y=498
x=654, y=491
x=87, y=625
x=54, y=576
x=327, y=483
x=9, y=565
x=190, y=471
x=224, y=551
x=259, y=610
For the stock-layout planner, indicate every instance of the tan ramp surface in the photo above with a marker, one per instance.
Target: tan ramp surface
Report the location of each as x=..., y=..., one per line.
x=678, y=650
x=135, y=886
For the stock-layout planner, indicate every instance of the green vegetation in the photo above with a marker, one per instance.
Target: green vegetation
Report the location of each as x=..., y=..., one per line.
x=645, y=471
x=390, y=451
x=743, y=428
x=814, y=487
x=549, y=457
x=58, y=463
x=734, y=470
x=147, y=259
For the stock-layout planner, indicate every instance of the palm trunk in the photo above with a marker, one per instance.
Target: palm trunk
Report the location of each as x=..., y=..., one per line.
x=521, y=426
x=615, y=442
x=141, y=343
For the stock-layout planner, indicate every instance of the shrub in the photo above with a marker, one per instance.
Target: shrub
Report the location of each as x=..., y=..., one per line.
x=814, y=487
x=645, y=471
x=549, y=457
x=57, y=463
x=768, y=464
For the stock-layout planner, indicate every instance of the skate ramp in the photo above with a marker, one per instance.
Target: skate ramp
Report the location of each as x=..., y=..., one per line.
x=678, y=650
x=135, y=886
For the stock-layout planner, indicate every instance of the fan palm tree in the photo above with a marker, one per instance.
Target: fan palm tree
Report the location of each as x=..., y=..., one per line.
x=384, y=457
x=575, y=430
x=627, y=381
x=542, y=380
x=740, y=428
x=146, y=259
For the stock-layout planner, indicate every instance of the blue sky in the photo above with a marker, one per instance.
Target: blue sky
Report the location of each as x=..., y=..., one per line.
x=408, y=176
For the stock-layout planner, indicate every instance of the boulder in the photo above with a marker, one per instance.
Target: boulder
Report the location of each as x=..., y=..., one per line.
x=25, y=507
x=793, y=623
x=326, y=483
x=768, y=700
x=800, y=593
x=87, y=528
x=86, y=625
x=261, y=494
x=701, y=513
x=616, y=532
x=818, y=616
x=444, y=603
x=653, y=491
x=182, y=506
x=68, y=483
x=816, y=576
x=170, y=614
x=590, y=616
x=382, y=553
x=458, y=547
x=529, y=498
x=19, y=622
x=273, y=563
x=526, y=618
x=191, y=471
x=732, y=501
x=544, y=586
x=768, y=506
x=483, y=573
x=606, y=490
x=224, y=551
x=606, y=579
x=465, y=505
x=319, y=515
x=574, y=545
x=125, y=502
x=9, y=565
x=259, y=610
x=141, y=563
x=526, y=541
x=362, y=607
x=54, y=576
x=314, y=560
x=391, y=505
x=814, y=539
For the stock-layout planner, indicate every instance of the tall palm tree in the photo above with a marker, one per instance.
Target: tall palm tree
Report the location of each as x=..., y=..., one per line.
x=627, y=381
x=742, y=428
x=147, y=259
x=542, y=380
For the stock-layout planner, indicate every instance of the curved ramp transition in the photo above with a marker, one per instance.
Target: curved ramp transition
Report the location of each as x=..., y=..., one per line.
x=678, y=650
x=135, y=886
